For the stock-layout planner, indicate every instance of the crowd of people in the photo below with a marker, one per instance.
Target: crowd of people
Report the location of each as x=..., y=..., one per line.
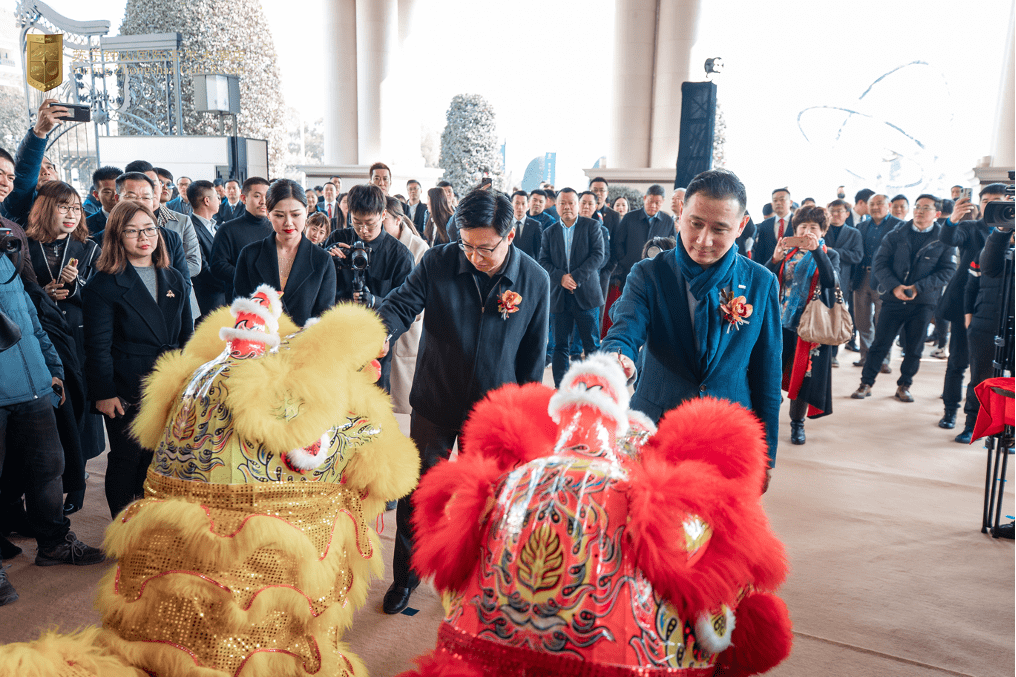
x=475, y=292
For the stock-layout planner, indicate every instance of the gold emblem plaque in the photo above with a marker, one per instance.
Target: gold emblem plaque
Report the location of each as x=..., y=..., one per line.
x=44, y=57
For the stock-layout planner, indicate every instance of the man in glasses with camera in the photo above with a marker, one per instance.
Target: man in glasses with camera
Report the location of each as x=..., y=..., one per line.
x=369, y=262
x=486, y=325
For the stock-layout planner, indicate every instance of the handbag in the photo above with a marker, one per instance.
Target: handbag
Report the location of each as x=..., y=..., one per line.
x=822, y=324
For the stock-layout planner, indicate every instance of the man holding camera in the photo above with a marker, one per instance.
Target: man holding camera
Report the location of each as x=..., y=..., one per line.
x=911, y=265
x=369, y=262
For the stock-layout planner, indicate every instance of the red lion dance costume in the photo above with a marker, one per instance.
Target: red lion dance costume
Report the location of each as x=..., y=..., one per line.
x=583, y=542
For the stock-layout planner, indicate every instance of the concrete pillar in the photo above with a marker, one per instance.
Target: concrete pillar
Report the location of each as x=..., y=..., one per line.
x=406, y=10
x=377, y=34
x=341, y=92
x=631, y=103
x=1003, y=148
x=676, y=33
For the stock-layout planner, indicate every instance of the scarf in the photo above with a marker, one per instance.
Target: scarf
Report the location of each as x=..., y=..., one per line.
x=797, y=295
x=705, y=285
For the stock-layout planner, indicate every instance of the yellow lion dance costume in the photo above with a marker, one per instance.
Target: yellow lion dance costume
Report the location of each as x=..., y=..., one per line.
x=253, y=545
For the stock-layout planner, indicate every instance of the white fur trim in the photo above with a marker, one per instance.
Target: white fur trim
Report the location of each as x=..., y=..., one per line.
x=304, y=460
x=589, y=398
x=252, y=307
x=643, y=421
x=233, y=334
x=706, y=635
x=274, y=298
x=606, y=367
x=311, y=321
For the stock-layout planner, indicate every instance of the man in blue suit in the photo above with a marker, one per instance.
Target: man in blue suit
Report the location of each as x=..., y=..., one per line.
x=675, y=309
x=572, y=252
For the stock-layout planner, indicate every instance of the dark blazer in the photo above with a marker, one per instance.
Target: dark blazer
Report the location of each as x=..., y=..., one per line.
x=587, y=254
x=390, y=264
x=227, y=214
x=209, y=290
x=310, y=289
x=174, y=247
x=230, y=239
x=529, y=240
x=934, y=264
x=631, y=236
x=765, y=239
x=420, y=218
x=969, y=238
x=846, y=241
x=467, y=349
x=652, y=314
x=126, y=329
x=611, y=220
x=96, y=223
x=746, y=240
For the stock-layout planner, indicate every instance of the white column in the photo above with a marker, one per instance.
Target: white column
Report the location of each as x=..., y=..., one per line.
x=1003, y=146
x=377, y=34
x=675, y=37
x=634, y=37
x=340, y=89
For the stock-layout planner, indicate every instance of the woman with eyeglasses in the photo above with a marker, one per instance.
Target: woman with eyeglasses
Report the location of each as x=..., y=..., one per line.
x=286, y=260
x=136, y=306
x=64, y=260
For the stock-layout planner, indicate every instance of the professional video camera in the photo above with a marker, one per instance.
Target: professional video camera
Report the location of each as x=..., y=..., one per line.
x=357, y=259
x=10, y=245
x=1000, y=213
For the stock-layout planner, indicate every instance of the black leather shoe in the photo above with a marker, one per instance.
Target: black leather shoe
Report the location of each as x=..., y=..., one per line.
x=8, y=549
x=964, y=437
x=397, y=598
x=797, y=432
x=948, y=421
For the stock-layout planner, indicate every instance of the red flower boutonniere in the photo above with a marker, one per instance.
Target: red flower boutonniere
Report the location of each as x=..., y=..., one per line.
x=736, y=310
x=508, y=303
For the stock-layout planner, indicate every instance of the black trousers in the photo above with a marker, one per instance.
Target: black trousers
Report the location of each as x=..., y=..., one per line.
x=127, y=463
x=952, y=389
x=434, y=443
x=982, y=355
x=584, y=321
x=910, y=321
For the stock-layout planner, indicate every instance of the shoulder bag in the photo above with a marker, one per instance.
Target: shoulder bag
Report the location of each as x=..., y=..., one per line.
x=822, y=324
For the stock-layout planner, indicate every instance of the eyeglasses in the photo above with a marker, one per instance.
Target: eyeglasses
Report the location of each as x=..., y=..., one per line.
x=485, y=252
x=838, y=211
x=925, y=208
x=68, y=209
x=131, y=234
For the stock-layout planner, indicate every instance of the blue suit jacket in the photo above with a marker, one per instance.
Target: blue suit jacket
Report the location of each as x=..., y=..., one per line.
x=652, y=314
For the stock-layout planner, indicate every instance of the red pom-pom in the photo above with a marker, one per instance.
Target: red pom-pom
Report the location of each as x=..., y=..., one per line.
x=511, y=424
x=761, y=638
x=722, y=434
x=441, y=664
x=451, y=506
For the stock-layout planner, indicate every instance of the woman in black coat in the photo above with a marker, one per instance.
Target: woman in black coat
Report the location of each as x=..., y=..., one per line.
x=136, y=307
x=64, y=260
x=807, y=367
x=286, y=260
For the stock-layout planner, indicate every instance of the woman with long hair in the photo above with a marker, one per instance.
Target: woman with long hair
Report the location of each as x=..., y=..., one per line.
x=312, y=201
x=621, y=205
x=286, y=260
x=803, y=267
x=318, y=227
x=136, y=307
x=405, y=349
x=64, y=260
x=436, y=230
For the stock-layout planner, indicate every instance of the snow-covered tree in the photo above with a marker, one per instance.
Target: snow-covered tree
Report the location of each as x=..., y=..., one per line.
x=233, y=39
x=13, y=118
x=719, y=138
x=469, y=146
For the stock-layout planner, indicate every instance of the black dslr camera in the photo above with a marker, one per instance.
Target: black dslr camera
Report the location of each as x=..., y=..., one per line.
x=1000, y=213
x=10, y=245
x=358, y=260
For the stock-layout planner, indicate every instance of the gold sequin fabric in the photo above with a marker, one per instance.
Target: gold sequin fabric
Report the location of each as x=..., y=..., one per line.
x=221, y=574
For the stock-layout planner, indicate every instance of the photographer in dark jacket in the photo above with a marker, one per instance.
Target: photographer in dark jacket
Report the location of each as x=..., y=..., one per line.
x=911, y=266
x=485, y=325
x=19, y=176
x=969, y=238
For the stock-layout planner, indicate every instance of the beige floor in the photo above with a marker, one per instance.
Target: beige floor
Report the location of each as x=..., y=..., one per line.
x=880, y=512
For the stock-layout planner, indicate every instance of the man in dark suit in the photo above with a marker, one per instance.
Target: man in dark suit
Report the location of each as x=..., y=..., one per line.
x=208, y=289
x=232, y=207
x=846, y=241
x=671, y=311
x=232, y=236
x=571, y=253
x=416, y=210
x=528, y=233
x=485, y=325
x=104, y=190
x=330, y=205
x=867, y=300
x=637, y=228
x=550, y=207
x=770, y=231
x=611, y=220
